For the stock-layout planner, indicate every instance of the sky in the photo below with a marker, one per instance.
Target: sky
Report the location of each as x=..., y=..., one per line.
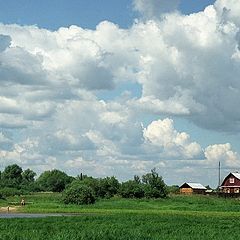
x=121, y=87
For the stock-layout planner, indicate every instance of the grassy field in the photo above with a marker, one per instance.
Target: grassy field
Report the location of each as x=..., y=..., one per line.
x=178, y=217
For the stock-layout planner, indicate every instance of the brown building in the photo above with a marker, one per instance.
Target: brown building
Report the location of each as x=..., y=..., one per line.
x=231, y=183
x=192, y=188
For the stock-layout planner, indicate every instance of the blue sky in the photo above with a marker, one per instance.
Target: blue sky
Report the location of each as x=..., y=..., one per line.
x=132, y=85
x=57, y=13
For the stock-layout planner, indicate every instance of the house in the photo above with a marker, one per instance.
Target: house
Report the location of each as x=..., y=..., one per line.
x=192, y=188
x=231, y=184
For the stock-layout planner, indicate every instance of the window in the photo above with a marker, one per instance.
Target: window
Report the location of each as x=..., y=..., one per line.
x=236, y=190
x=231, y=180
x=226, y=190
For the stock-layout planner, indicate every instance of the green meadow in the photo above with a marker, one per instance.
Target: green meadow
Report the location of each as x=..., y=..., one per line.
x=177, y=217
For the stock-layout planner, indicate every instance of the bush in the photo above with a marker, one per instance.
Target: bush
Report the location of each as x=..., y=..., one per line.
x=11, y=176
x=54, y=181
x=78, y=193
x=174, y=189
x=7, y=192
x=107, y=187
x=154, y=186
x=131, y=189
x=102, y=187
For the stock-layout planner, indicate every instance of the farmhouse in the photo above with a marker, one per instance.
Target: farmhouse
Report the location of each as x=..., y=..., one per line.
x=231, y=183
x=192, y=188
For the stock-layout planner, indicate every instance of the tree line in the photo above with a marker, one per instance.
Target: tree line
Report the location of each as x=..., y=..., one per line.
x=82, y=189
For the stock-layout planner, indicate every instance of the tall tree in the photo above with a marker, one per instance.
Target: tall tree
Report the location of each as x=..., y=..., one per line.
x=28, y=175
x=12, y=176
x=154, y=185
x=54, y=180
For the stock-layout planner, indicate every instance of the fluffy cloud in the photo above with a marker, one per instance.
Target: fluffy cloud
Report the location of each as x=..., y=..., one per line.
x=222, y=153
x=154, y=8
x=175, y=144
x=178, y=75
x=52, y=112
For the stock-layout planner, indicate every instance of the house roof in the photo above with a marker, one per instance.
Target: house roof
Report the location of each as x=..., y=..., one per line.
x=195, y=186
x=236, y=175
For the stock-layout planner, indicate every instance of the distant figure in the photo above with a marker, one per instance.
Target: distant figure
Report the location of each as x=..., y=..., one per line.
x=23, y=202
x=8, y=209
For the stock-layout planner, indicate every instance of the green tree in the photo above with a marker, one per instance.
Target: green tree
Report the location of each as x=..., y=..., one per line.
x=173, y=189
x=108, y=187
x=12, y=176
x=154, y=186
x=102, y=187
x=132, y=189
x=28, y=175
x=28, y=180
x=54, y=180
x=78, y=193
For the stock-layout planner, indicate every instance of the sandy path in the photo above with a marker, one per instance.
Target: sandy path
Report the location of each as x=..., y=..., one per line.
x=8, y=209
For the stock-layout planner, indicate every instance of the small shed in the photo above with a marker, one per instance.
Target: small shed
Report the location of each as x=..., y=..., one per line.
x=231, y=184
x=192, y=188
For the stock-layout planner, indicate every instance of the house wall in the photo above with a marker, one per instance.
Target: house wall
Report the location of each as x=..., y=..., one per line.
x=229, y=184
x=230, y=187
x=186, y=190
x=199, y=191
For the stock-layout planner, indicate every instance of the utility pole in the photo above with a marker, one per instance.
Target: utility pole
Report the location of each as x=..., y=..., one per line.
x=219, y=174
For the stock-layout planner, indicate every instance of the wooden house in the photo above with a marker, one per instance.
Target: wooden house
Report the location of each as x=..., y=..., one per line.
x=192, y=188
x=231, y=184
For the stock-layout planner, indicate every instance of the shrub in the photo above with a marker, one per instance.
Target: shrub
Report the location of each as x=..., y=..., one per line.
x=7, y=192
x=102, y=187
x=54, y=181
x=174, y=189
x=108, y=187
x=154, y=186
x=131, y=189
x=11, y=176
x=78, y=193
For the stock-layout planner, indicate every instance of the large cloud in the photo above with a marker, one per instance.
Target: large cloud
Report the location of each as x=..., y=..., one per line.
x=191, y=67
x=175, y=144
x=184, y=65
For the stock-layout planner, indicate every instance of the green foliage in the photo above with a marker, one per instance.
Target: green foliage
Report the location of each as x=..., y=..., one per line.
x=132, y=189
x=151, y=186
x=28, y=180
x=176, y=217
x=11, y=176
x=154, y=185
x=107, y=187
x=102, y=187
x=173, y=189
x=54, y=180
x=7, y=192
x=78, y=193
x=122, y=227
x=28, y=175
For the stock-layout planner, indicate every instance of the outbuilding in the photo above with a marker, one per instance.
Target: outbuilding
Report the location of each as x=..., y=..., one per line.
x=231, y=184
x=192, y=188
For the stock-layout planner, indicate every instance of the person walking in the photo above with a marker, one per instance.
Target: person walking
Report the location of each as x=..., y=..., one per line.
x=23, y=202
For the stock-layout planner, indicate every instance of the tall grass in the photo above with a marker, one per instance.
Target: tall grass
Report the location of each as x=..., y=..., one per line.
x=122, y=226
x=178, y=217
x=44, y=203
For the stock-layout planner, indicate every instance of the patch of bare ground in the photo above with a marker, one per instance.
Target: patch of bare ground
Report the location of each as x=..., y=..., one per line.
x=12, y=209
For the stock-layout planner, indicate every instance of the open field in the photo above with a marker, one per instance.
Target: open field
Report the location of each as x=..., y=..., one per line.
x=179, y=217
